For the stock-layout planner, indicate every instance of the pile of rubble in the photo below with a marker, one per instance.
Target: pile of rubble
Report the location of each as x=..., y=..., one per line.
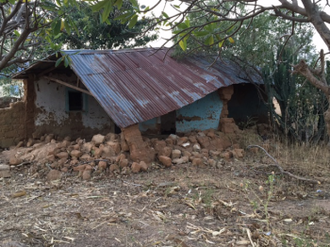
x=123, y=153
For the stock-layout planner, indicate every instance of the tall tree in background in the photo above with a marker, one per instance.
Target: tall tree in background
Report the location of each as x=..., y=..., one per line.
x=92, y=33
x=30, y=30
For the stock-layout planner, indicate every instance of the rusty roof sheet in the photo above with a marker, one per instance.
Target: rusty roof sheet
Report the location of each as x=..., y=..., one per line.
x=136, y=85
x=133, y=86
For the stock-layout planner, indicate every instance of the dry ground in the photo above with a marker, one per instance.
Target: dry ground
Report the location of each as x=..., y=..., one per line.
x=181, y=206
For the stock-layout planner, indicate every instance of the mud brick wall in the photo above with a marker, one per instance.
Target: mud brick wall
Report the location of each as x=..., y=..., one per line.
x=12, y=128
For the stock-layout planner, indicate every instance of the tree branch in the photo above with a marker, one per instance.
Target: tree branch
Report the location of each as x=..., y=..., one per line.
x=303, y=69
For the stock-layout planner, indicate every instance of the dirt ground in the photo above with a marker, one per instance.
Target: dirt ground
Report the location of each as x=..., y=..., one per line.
x=240, y=203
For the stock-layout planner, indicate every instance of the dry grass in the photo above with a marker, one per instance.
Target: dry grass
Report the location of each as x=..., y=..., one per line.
x=183, y=206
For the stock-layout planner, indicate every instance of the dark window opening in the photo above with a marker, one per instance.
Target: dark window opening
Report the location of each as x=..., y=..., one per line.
x=117, y=129
x=75, y=101
x=168, y=123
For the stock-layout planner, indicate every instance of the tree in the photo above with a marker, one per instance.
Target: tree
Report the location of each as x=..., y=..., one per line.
x=31, y=30
x=27, y=26
x=261, y=49
x=95, y=34
x=302, y=106
x=240, y=15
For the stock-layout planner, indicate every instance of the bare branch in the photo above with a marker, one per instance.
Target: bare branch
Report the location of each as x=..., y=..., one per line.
x=303, y=69
x=282, y=171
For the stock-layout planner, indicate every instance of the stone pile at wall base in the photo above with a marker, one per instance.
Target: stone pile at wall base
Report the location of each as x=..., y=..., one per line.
x=128, y=152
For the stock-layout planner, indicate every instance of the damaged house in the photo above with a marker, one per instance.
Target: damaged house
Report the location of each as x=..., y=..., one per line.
x=108, y=91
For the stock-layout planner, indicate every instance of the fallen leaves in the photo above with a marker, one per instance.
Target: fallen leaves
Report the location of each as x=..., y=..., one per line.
x=18, y=194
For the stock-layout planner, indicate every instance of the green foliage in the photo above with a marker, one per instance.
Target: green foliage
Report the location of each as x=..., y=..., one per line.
x=301, y=105
x=53, y=25
x=254, y=44
x=9, y=87
x=93, y=32
x=259, y=44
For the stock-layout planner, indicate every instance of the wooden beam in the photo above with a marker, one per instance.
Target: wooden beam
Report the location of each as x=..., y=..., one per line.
x=46, y=71
x=67, y=84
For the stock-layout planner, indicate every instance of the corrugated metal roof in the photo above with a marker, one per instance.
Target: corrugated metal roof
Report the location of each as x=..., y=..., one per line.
x=133, y=86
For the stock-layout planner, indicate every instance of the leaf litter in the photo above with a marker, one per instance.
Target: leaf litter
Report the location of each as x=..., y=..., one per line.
x=183, y=206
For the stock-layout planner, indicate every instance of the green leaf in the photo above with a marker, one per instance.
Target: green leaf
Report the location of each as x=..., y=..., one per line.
x=209, y=40
x=182, y=25
x=230, y=29
x=57, y=27
x=231, y=40
x=67, y=26
x=106, y=12
x=221, y=43
x=97, y=7
x=58, y=61
x=133, y=21
x=135, y=4
x=66, y=61
x=17, y=33
x=49, y=6
x=73, y=24
x=165, y=15
x=123, y=18
x=200, y=33
x=119, y=4
x=57, y=36
x=183, y=44
x=187, y=21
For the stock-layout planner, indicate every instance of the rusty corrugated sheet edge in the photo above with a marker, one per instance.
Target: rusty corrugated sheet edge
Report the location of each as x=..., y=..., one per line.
x=176, y=84
x=136, y=85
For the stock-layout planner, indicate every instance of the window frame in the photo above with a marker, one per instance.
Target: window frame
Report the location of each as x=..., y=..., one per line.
x=84, y=100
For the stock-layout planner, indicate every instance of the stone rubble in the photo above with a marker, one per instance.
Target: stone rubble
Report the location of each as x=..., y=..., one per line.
x=125, y=153
x=4, y=171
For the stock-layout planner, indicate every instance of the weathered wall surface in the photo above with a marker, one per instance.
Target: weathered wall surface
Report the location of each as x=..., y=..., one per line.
x=231, y=104
x=201, y=115
x=12, y=128
x=51, y=115
x=151, y=126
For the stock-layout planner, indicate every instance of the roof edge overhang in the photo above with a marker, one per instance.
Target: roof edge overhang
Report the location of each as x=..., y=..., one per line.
x=131, y=108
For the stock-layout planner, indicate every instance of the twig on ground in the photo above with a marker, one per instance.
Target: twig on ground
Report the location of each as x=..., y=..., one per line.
x=282, y=170
x=96, y=160
x=137, y=185
x=24, y=163
x=248, y=231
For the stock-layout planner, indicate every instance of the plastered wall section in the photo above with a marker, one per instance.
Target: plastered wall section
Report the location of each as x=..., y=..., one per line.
x=201, y=115
x=51, y=115
x=12, y=128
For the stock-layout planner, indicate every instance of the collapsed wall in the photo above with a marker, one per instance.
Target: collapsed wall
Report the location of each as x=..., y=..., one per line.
x=12, y=128
x=125, y=153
